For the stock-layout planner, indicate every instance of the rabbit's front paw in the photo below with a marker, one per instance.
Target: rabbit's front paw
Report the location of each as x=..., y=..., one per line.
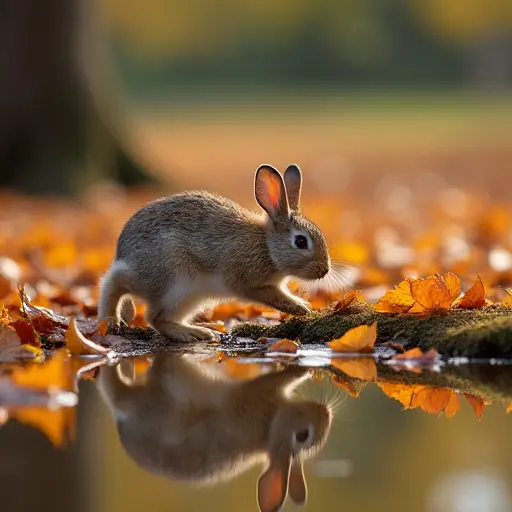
x=298, y=307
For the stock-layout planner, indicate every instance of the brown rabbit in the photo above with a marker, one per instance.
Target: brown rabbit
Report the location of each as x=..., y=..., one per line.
x=189, y=423
x=179, y=252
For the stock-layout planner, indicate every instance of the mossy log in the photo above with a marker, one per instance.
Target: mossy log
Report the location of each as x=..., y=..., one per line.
x=473, y=333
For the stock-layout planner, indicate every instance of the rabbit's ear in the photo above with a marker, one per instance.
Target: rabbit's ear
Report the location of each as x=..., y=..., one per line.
x=270, y=192
x=293, y=182
x=297, y=488
x=273, y=486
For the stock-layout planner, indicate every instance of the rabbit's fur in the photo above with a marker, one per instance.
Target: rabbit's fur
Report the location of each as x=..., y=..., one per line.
x=190, y=424
x=179, y=252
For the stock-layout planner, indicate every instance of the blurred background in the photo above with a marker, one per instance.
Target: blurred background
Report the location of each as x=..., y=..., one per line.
x=394, y=109
x=199, y=94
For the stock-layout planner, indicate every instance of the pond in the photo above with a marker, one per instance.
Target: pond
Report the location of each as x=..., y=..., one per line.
x=144, y=431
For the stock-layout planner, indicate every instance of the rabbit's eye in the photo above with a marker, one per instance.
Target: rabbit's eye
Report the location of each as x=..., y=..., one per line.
x=302, y=436
x=301, y=242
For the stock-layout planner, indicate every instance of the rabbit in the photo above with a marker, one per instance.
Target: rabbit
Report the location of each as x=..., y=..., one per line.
x=188, y=423
x=180, y=252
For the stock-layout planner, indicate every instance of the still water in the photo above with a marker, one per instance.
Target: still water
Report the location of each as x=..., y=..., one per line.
x=174, y=433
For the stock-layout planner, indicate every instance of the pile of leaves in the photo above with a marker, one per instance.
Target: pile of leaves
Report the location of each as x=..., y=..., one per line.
x=52, y=254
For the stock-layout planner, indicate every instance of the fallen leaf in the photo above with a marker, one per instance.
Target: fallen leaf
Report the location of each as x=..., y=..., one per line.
x=507, y=301
x=78, y=344
x=361, y=368
x=398, y=300
x=26, y=331
x=418, y=356
x=284, y=345
x=474, y=297
x=346, y=300
x=477, y=403
x=414, y=353
x=358, y=339
x=11, y=347
x=509, y=408
x=421, y=295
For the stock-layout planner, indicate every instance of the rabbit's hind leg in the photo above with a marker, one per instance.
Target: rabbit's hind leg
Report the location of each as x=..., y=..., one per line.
x=169, y=316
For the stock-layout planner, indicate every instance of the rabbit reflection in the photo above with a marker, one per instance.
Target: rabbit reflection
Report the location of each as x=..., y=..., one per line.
x=188, y=422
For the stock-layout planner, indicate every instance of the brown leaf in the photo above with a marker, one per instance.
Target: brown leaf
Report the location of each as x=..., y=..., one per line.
x=358, y=339
x=11, y=347
x=346, y=300
x=474, y=297
x=284, y=345
x=361, y=368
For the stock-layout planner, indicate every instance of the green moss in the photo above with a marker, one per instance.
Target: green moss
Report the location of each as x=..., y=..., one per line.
x=485, y=332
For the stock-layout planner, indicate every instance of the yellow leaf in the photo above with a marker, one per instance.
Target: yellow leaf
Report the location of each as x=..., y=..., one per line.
x=358, y=339
x=364, y=368
x=398, y=300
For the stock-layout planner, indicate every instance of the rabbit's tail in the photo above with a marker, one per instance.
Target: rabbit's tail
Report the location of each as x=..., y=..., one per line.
x=112, y=289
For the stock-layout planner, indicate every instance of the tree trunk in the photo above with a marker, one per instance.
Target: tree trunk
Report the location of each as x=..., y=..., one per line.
x=47, y=116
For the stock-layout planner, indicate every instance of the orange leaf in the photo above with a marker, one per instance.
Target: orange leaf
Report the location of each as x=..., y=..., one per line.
x=432, y=399
x=509, y=408
x=432, y=292
x=453, y=285
x=53, y=373
x=414, y=353
x=346, y=300
x=453, y=405
x=364, y=368
x=78, y=344
x=358, y=339
x=284, y=345
x=417, y=355
x=477, y=403
x=57, y=424
x=404, y=393
x=475, y=296
x=398, y=300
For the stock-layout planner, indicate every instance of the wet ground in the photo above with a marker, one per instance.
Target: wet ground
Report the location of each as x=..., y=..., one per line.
x=370, y=436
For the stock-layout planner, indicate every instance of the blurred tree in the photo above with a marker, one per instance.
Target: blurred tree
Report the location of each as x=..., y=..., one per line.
x=49, y=125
